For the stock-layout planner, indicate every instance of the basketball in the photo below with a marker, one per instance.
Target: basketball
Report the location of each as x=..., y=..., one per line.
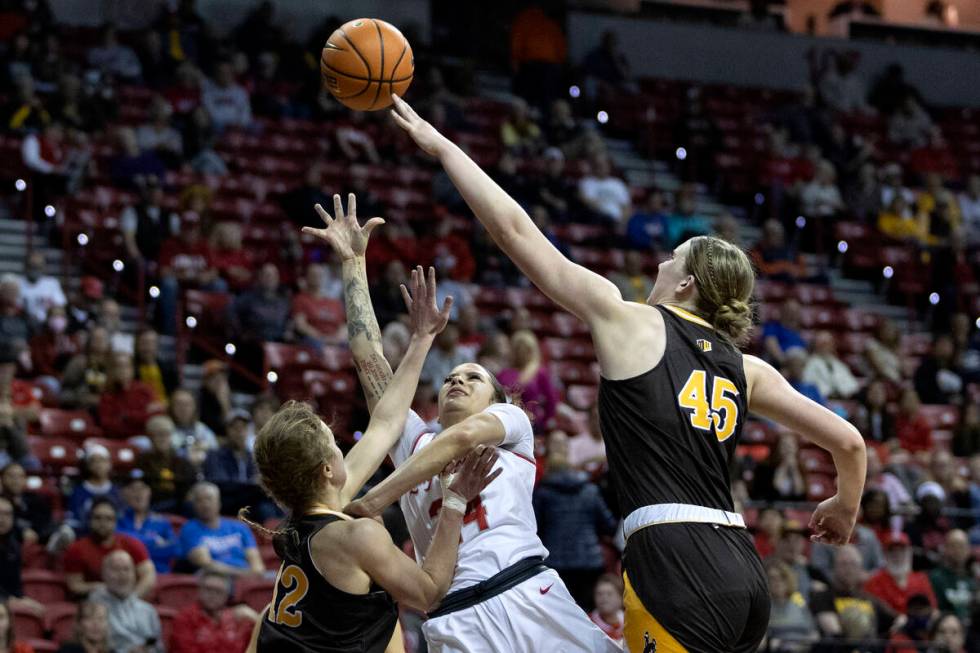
x=366, y=60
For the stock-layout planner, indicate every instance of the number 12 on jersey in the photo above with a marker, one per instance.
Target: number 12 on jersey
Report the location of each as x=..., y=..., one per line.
x=721, y=414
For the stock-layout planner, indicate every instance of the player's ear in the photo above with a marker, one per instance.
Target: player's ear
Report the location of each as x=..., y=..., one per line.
x=685, y=286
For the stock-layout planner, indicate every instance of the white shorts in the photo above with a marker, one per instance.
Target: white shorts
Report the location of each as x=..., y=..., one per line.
x=538, y=615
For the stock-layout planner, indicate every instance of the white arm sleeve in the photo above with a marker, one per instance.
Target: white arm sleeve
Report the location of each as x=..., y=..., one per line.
x=518, y=435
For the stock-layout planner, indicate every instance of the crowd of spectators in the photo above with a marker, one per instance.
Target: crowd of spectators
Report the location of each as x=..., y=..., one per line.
x=117, y=527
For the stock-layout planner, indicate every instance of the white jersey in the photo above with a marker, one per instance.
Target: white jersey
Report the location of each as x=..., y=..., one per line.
x=499, y=528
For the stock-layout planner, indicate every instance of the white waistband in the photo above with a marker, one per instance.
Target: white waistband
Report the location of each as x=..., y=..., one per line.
x=669, y=513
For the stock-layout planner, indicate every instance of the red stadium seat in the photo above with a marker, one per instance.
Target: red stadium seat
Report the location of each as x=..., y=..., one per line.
x=819, y=487
x=269, y=557
x=255, y=592
x=27, y=624
x=816, y=460
x=754, y=432
x=44, y=586
x=75, y=424
x=123, y=453
x=176, y=590
x=59, y=619
x=941, y=416
x=55, y=454
x=167, y=615
x=41, y=645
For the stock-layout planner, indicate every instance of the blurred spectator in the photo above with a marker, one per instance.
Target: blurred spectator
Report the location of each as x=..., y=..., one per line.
x=927, y=530
x=937, y=380
x=633, y=283
x=969, y=201
x=795, y=362
x=685, y=221
x=133, y=167
x=84, y=558
x=157, y=133
x=228, y=257
x=949, y=634
x=531, y=378
x=966, y=437
x=603, y=193
x=317, y=319
x=769, y=529
x=200, y=139
x=226, y=101
x=8, y=637
x=647, y=226
x=789, y=617
x=910, y=126
x=893, y=185
x=494, y=355
x=214, y=543
x=84, y=304
x=966, y=346
x=188, y=429
x=845, y=592
x=355, y=141
x=52, y=348
x=890, y=89
x=38, y=291
x=148, y=224
x=773, y=257
x=900, y=222
x=96, y=484
x=91, y=630
x=587, y=451
x=791, y=550
x=184, y=94
x=952, y=579
x=537, y=53
x=13, y=437
x=453, y=259
x=780, y=476
x=562, y=130
x=263, y=408
x=32, y=511
x=884, y=352
x=820, y=198
x=15, y=325
x=912, y=428
x=862, y=194
x=273, y=91
x=166, y=472
x=298, y=203
x=185, y=262
x=829, y=373
x=11, y=542
x=158, y=374
x=699, y=137
x=571, y=518
x=933, y=157
x=915, y=627
x=126, y=403
x=896, y=582
x=555, y=191
x=110, y=317
x=262, y=313
x=944, y=470
x=443, y=357
x=841, y=87
x=876, y=513
x=133, y=623
x=153, y=530
x=231, y=467
x=472, y=333
x=519, y=133
x=85, y=375
x=822, y=555
x=608, y=614
x=113, y=58
x=873, y=418
x=209, y=624
x=215, y=398
x=25, y=112
x=606, y=69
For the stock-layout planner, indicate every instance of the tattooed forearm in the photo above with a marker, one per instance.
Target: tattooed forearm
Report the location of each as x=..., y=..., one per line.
x=361, y=321
x=375, y=375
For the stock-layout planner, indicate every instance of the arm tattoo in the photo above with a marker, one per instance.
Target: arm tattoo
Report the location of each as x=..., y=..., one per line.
x=361, y=321
x=374, y=374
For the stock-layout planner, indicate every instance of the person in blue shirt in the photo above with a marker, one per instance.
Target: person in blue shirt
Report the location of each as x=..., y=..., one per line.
x=232, y=469
x=97, y=472
x=214, y=543
x=646, y=229
x=783, y=334
x=153, y=530
x=795, y=359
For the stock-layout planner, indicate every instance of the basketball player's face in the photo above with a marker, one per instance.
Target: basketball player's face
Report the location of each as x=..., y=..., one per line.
x=670, y=273
x=466, y=391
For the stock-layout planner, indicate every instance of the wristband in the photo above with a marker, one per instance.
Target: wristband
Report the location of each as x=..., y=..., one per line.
x=453, y=501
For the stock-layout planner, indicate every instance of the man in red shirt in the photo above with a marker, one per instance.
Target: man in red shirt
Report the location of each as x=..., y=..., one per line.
x=316, y=317
x=126, y=403
x=896, y=582
x=83, y=559
x=209, y=625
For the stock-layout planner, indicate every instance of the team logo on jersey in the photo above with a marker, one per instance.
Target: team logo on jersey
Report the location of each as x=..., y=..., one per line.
x=650, y=645
x=705, y=345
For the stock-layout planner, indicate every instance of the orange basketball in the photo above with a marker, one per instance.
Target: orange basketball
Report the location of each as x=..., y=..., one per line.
x=364, y=61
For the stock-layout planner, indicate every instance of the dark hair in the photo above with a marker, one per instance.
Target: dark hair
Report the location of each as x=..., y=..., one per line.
x=868, y=497
x=84, y=608
x=102, y=501
x=290, y=452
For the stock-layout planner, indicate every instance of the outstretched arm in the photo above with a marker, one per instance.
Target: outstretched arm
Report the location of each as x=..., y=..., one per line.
x=388, y=419
x=452, y=444
x=589, y=296
x=349, y=240
x=771, y=396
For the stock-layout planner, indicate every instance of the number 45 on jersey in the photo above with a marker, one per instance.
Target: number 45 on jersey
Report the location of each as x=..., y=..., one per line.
x=720, y=414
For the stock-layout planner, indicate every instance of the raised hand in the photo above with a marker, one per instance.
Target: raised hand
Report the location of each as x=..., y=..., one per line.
x=347, y=237
x=423, y=312
x=475, y=472
x=832, y=522
x=425, y=135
